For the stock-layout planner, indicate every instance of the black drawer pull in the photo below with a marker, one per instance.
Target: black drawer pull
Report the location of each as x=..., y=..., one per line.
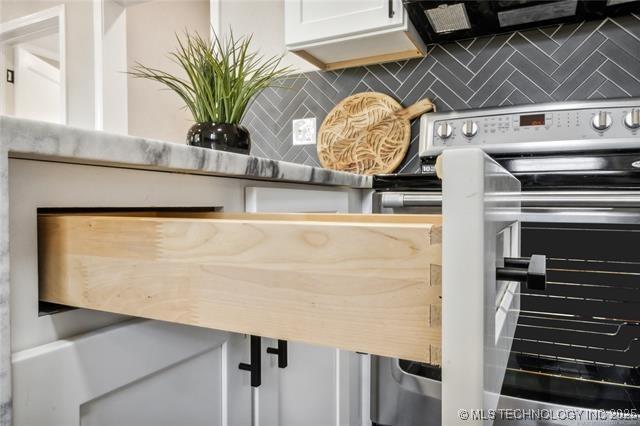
x=255, y=367
x=281, y=352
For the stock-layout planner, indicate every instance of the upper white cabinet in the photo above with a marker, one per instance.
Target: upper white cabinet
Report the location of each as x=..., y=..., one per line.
x=341, y=34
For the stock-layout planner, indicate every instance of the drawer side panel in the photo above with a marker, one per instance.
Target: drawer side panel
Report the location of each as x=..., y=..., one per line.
x=369, y=287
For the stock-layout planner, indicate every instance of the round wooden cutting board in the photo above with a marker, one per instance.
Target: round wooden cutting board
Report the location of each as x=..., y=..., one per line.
x=367, y=133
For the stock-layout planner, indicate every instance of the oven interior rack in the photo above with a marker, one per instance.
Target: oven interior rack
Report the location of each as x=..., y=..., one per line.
x=578, y=341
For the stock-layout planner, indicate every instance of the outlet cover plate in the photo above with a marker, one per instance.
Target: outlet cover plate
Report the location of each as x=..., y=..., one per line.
x=304, y=131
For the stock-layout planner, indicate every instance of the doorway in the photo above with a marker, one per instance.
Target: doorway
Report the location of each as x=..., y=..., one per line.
x=33, y=62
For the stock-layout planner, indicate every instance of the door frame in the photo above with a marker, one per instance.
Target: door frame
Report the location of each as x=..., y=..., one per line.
x=28, y=27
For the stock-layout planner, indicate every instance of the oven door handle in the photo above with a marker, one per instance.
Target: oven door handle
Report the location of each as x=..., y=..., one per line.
x=595, y=199
x=410, y=199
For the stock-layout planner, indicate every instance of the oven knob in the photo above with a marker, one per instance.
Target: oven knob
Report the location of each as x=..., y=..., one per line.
x=632, y=119
x=444, y=130
x=601, y=121
x=469, y=128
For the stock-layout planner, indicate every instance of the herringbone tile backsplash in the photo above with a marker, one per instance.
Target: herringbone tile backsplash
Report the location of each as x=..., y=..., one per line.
x=568, y=62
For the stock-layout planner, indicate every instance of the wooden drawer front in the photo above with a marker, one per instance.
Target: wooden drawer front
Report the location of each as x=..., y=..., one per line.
x=367, y=283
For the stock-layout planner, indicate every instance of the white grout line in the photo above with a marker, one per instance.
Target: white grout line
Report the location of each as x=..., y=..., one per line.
x=560, y=83
x=609, y=80
x=625, y=30
x=512, y=92
x=455, y=59
x=621, y=67
x=506, y=62
x=580, y=85
x=492, y=56
x=568, y=37
x=506, y=80
x=536, y=46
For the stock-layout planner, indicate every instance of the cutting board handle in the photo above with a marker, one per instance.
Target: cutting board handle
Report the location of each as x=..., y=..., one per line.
x=419, y=108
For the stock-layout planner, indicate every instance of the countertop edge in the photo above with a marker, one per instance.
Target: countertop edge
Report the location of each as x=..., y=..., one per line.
x=29, y=139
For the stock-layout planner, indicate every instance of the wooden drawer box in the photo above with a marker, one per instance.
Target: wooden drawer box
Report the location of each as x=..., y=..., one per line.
x=368, y=283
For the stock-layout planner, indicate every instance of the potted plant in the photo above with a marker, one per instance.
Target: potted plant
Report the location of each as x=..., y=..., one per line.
x=222, y=77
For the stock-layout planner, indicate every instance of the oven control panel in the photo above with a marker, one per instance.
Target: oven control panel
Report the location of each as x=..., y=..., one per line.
x=556, y=127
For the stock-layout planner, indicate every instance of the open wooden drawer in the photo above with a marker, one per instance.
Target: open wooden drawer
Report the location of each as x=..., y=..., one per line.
x=369, y=283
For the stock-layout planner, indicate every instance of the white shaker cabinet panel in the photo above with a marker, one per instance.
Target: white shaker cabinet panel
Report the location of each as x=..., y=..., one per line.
x=341, y=34
x=137, y=372
x=313, y=20
x=321, y=386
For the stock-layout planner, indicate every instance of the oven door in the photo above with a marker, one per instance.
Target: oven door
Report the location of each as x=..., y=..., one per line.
x=575, y=350
x=479, y=313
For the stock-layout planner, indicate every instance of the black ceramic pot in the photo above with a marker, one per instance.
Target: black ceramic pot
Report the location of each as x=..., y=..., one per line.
x=220, y=136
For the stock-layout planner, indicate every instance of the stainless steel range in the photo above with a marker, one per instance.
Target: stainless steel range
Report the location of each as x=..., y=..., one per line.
x=577, y=344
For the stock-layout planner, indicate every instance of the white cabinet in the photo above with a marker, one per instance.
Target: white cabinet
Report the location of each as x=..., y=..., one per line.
x=340, y=34
x=93, y=368
x=138, y=372
x=320, y=386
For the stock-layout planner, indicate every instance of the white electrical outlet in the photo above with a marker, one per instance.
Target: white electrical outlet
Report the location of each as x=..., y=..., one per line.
x=304, y=131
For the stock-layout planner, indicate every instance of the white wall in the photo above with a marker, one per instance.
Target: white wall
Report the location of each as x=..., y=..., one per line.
x=151, y=27
x=113, y=93
x=262, y=18
x=79, y=51
x=6, y=89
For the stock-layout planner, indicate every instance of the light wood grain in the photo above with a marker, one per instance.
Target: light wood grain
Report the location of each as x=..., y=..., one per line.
x=371, y=285
x=435, y=219
x=367, y=60
x=367, y=133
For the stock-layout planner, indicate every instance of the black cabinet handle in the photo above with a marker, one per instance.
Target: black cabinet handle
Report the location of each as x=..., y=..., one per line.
x=255, y=367
x=281, y=352
x=532, y=271
x=391, y=11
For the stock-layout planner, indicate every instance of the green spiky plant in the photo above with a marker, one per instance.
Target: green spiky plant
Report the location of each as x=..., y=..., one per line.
x=222, y=76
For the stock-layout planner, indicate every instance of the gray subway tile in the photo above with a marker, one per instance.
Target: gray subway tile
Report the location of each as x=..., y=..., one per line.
x=611, y=90
x=491, y=66
x=578, y=57
x=622, y=38
x=444, y=75
x=533, y=52
x=574, y=40
x=529, y=88
x=588, y=67
x=621, y=58
x=450, y=97
x=531, y=70
x=381, y=73
x=452, y=64
x=477, y=44
x=458, y=52
x=518, y=98
x=487, y=52
x=564, y=32
x=588, y=87
x=499, y=95
x=491, y=85
x=622, y=78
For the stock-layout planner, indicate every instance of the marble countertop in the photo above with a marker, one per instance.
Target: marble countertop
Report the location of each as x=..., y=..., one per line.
x=39, y=140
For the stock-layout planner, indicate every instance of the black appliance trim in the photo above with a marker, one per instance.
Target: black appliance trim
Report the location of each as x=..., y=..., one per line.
x=484, y=20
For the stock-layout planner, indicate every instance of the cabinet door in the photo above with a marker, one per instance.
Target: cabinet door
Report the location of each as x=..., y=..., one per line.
x=138, y=372
x=314, y=20
x=321, y=386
